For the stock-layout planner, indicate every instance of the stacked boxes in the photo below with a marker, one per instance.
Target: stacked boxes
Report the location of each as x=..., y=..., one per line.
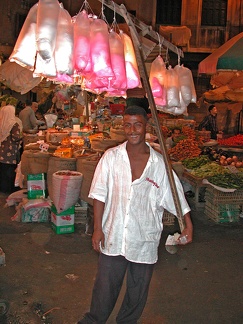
x=223, y=207
x=63, y=223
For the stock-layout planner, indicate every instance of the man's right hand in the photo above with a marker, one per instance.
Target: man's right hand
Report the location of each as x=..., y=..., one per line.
x=98, y=240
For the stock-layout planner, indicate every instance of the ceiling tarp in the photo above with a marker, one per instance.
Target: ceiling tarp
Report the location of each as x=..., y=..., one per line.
x=228, y=57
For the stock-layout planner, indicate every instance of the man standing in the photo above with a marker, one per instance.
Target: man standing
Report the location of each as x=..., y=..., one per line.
x=130, y=189
x=209, y=123
x=28, y=118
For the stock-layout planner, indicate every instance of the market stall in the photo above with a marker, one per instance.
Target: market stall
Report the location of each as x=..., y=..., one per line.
x=74, y=143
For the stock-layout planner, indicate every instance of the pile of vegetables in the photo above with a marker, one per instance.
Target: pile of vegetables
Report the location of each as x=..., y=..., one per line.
x=236, y=140
x=195, y=162
x=187, y=147
x=208, y=170
x=227, y=180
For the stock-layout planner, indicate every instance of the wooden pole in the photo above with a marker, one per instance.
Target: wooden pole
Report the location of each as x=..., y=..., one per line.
x=143, y=73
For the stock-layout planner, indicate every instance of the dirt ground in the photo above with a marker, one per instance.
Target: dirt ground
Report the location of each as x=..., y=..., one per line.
x=48, y=278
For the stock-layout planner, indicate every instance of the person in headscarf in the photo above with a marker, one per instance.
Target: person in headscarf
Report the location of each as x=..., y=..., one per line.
x=10, y=142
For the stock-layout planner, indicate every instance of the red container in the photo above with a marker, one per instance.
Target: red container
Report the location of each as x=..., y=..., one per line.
x=117, y=109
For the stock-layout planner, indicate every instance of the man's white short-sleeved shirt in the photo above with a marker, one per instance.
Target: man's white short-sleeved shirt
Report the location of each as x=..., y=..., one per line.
x=132, y=219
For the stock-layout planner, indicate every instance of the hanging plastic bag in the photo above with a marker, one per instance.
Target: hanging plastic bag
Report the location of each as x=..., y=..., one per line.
x=173, y=99
x=186, y=84
x=45, y=68
x=24, y=51
x=158, y=81
x=132, y=73
x=46, y=30
x=64, y=43
x=81, y=41
x=100, y=51
x=117, y=62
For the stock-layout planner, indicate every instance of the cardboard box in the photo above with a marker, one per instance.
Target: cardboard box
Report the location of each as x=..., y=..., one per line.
x=36, y=185
x=63, y=223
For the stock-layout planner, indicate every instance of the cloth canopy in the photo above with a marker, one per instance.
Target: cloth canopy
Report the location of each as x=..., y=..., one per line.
x=228, y=57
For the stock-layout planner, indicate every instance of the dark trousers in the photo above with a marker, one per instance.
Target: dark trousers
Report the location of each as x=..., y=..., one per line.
x=107, y=286
x=7, y=177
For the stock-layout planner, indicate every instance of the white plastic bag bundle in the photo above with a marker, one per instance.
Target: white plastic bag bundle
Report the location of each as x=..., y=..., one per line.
x=64, y=43
x=66, y=186
x=24, y=51
x=46, y=30
x=186, y=84
x=173, y=99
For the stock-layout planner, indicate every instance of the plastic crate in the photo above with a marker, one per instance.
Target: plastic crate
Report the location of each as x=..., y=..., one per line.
x=168, y=218
x=215, y=196
x=222, y=213
x=81, y=213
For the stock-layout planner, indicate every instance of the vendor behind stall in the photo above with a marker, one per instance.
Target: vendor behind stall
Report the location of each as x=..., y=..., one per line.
x=209, y=123
x=173, y=139
x=28, y=118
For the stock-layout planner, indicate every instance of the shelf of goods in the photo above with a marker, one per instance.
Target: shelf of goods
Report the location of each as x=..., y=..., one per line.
x=198, y=186
x=223, y=207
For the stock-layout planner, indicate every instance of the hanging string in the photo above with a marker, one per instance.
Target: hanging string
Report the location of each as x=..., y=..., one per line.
x=167, y=56
x=159, y=44
x=114, y=24
x=178, y=57
x=102, y=15
x=86, y=6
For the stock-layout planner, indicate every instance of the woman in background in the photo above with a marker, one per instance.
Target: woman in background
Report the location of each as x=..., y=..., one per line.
x=10, y=141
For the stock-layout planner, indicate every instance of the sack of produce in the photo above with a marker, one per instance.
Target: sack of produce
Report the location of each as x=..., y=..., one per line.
x=66, y=189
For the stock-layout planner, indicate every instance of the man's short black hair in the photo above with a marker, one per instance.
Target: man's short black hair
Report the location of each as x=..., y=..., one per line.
x=136, y=110
x=211, y=107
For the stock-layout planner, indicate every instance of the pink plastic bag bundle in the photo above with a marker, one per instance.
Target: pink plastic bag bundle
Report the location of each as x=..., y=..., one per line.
x=81, y=41
x=46, y=31
x=158, y=81
x=117, y=62
x=100, y=51
x=64, y=43
x=133, y=77
x=24, y=51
